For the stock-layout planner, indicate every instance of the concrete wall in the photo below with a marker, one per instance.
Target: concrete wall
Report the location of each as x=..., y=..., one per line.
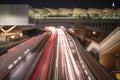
x=117, y=64
x=14, y=14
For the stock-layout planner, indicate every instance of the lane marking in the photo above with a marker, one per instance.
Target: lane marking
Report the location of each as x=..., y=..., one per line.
x=19, y=58
x=81, y=62
x=10, y=66
x=15, y=61
x=25, y=52
x=83, y=66
x=86, y=72
x=89, y=78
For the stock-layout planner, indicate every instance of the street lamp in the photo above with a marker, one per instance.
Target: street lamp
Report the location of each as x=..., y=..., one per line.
x=12, y=37
x=21, y=34
x=113, y=14
x=113, y=5
x=94, y=32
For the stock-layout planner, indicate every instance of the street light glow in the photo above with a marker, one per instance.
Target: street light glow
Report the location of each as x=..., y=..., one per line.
x=21, y=34
x=94, y=32
x=13, y=36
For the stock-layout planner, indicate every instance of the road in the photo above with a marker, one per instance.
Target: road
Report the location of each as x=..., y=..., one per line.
x=25, y=63
x=61, y=59
x=20, y=72
x=42, y=67
x=68, y=64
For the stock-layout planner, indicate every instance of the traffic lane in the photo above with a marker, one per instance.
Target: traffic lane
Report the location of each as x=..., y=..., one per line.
x=46, y=64
x=51, y=68
x=21, y=70
x=44, y=72
x=39, y=52
x=39, y=66
x=59, y=75
x=63, y=75
x=73, y=61
x=86, y=73
x=80, y=74
x=77, y=71
x=41, y=70
x=56, y=60
x=69, y=66
x=7, y=60
x=60, y=60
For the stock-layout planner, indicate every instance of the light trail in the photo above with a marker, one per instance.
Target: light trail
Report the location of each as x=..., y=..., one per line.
x=44, y=61
x=67, y=58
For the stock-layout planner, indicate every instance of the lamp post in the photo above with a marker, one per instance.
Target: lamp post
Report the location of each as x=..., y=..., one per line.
x=113, y=14
x=113, y=5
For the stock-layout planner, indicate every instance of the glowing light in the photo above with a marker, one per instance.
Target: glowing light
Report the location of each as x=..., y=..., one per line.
x=118, y=76
x=94, y=32
x=28, y=50
x=25, y=52
x=113, y=4
x=71, y=30
x=21, y=34
x=13, y=36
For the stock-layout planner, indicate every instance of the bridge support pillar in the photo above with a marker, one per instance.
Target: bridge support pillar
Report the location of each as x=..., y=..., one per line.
x=5, y=33
x=81, y=32
x=107, y=61
x=117, y=64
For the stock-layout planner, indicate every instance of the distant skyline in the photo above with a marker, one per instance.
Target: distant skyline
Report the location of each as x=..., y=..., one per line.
x=65, y=3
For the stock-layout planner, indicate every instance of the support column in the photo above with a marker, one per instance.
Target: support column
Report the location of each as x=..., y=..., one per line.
x=81, y=32
x=6, y=32
x=108, y=61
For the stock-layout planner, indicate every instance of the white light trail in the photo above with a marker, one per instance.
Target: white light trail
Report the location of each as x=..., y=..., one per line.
x=68, y=62
x=56, y=68
x=71, y=57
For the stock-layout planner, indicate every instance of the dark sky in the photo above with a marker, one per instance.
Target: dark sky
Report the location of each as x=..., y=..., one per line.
x=65, y=3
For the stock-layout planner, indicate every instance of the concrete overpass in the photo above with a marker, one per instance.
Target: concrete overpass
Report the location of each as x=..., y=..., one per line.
x=108, y=50
x=79, y=22
x=84, y=27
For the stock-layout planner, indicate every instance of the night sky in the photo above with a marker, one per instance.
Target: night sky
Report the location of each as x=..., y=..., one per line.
x=65, y=3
